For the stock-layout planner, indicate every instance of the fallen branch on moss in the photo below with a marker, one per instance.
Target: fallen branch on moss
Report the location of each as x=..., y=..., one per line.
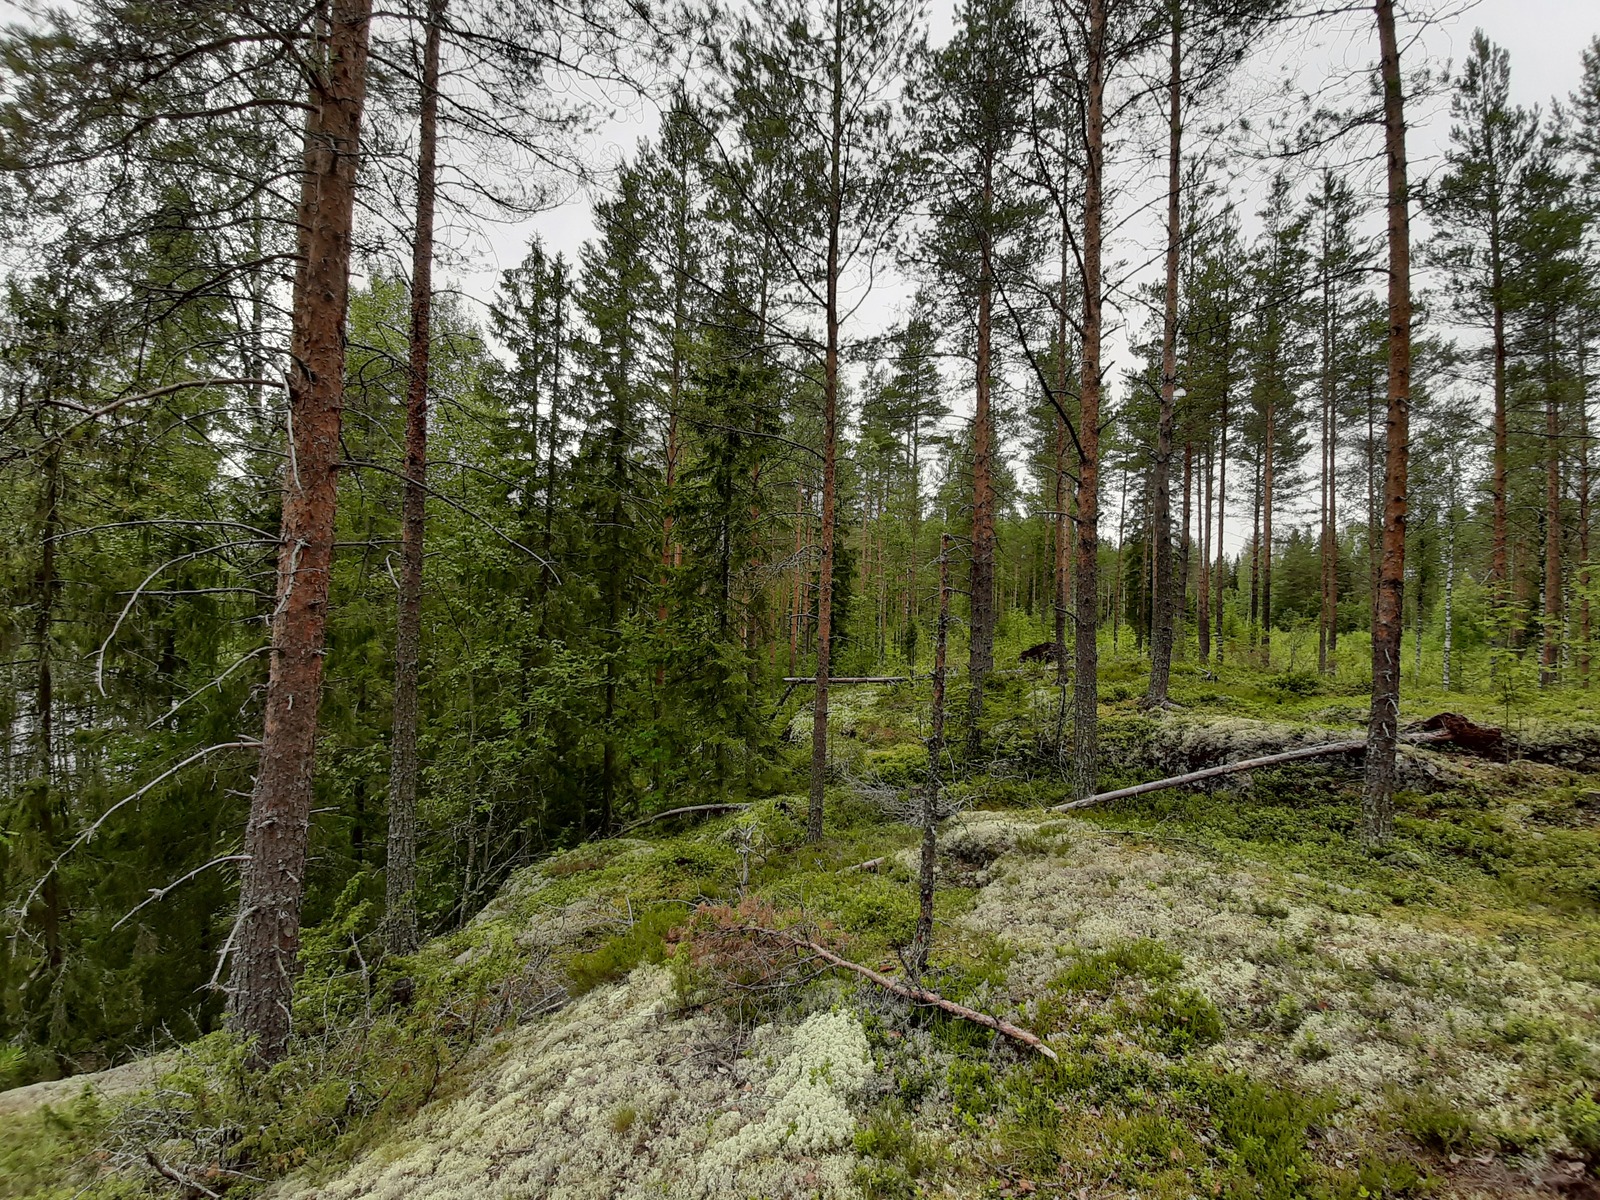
x=1446, y=727
x=685, y=811
x=189, y=1186
x=918, y=995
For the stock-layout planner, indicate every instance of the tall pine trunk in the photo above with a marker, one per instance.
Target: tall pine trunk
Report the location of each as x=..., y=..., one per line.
x=1549, y=652
x=1222, y=512
x=928, y=865
x=1086, y=685
x=400, y=871
x=980, y=654
x=1497, y=556
x=1062, y=564
x=1185, y=547
x=1268, y=480
x=1328, y=624
x=1202, y=615
x=267, y=938
x=47, y=587
x=1383, y=732
x=830, y=432
x=1584, y=486
x=1162, y=631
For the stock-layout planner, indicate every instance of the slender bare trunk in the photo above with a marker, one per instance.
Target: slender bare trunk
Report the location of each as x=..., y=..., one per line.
x=1062, y=565
x=1497, y=556
x=48, y=807
x=400, y=871
x=553, y=433
x=1449, y=591
x=1222, y=515
x=273, y=884
x=1086, y=684
x=1584, y=489
x=1202, y=616
x=980, y=659
x=1328, y=621
x=929, y=817
x=830, y=432
x=1383, y=732
x=1550, y=650
x=1268, y=479
x=1163, y=618
x=1185, y=545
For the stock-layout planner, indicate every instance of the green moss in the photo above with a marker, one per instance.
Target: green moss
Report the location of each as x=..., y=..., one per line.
x=1176, y=1130
x=904, y=765
x=1100, y=970
x=49, y=1154
x=897, y=1157
x=1580, y=1121
x=644, y=941
x=1433, y=1120
x=1178, y=1020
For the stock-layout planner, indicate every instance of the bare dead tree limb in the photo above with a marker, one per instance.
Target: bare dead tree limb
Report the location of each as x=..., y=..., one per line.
x=162, y=893
x=921, y=995
x=686, y=810
x=183, y=1181
x=1353, y=746
x=87, y=834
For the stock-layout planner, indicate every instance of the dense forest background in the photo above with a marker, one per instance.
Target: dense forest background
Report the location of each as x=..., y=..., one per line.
x=665, y=474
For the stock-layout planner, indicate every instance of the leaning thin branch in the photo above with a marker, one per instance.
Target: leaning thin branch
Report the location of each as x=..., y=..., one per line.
x=920, y=995
x=214, y=682
x=1355, y=745
x=33, y=894
x=685, y=811
x=162, y=892
x=94, y=414
x=183, y=1181
x=100, y=656
x=460, y=508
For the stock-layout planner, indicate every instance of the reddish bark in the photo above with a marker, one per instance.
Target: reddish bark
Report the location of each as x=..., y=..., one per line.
x=267, y=938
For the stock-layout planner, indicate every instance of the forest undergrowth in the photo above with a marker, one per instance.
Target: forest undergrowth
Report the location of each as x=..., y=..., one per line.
x=1243, y=1001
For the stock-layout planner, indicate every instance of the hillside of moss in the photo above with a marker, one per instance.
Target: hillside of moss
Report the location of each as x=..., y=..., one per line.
x=1242, y=1001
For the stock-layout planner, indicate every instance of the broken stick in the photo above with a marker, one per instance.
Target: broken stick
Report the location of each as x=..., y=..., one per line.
x=919, y=995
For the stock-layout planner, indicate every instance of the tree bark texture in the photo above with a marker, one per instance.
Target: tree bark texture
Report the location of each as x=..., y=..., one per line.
x=1383, y=730
x=830, y=433
x=268, y=935
x=1163, y=617
x=929, y=863
x=400, y=872
x=1086, y=685
x=980, y=660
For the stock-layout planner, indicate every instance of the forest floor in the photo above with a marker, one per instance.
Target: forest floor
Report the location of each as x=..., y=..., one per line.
x=1243, y=1002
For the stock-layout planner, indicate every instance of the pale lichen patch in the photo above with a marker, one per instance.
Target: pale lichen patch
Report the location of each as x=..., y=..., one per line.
x=1350, y=1002
x=541, y=1117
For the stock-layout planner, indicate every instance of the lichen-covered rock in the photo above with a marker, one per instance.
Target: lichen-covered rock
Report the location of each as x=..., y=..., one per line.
x=615, y=1098
x=1351, y=1002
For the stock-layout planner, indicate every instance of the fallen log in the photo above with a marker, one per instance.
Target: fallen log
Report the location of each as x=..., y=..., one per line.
x=797, y=680
x=918, y=995
x=1353, y=746
x=685, y=811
